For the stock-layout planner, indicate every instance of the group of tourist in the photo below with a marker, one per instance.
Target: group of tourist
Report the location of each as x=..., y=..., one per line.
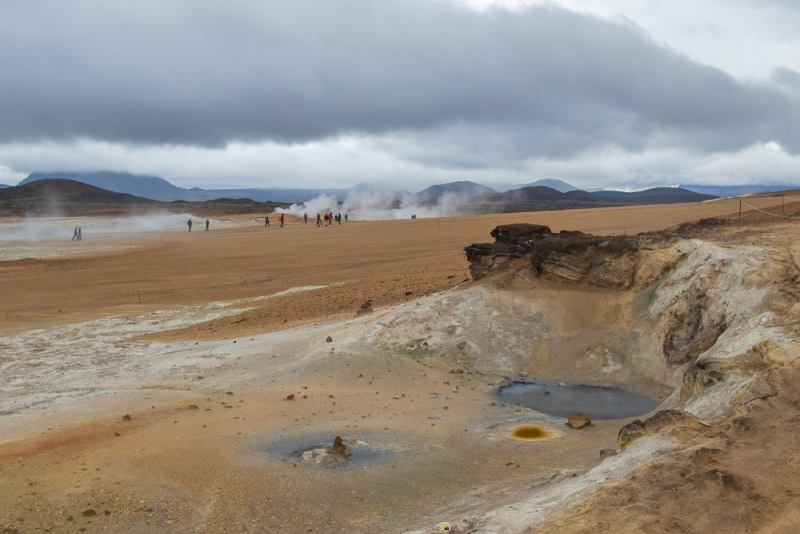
x=329, y=218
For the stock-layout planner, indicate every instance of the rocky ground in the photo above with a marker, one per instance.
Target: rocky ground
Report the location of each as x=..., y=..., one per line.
x=192, y=410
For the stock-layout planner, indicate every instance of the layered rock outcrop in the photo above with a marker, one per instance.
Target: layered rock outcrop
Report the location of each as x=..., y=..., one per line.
x=570, y=257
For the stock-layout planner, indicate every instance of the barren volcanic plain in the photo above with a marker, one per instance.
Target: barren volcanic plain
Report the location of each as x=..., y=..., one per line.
x=161, y=380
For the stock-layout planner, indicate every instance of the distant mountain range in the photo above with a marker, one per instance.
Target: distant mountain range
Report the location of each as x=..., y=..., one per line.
x=69, y=197
x=156, y=188
x=543, y=198
x=59, y=197
x=738, y=190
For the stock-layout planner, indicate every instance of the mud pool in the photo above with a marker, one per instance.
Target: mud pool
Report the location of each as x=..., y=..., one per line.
x=562, y=400
x=359, y=452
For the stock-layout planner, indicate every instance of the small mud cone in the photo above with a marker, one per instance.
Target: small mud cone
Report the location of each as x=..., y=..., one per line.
x=338, y=446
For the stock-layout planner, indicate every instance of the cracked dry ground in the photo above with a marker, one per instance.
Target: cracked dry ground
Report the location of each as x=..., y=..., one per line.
x=738, y=475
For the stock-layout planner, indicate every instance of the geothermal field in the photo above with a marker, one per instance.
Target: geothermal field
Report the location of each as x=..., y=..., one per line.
x=375, y=377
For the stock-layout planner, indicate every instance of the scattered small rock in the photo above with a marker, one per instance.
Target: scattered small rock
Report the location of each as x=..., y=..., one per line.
x=229, y=393
x=126, y=417
x=578, y=420
x=523, y=374
x=89, y=513
x=455, y=389
x=290, y=397
x=192, y=407
x=329, y=339
x=117, y=434
x=605, y=453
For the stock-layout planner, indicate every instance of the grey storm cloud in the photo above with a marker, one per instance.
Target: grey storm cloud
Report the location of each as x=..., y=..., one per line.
x=546, y=81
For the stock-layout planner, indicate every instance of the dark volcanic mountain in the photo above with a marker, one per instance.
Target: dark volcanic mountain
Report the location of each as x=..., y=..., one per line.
x=3, y=186
x=657, y=195
x=543, y=198
x=737, y=190
x=465, y=189
x=149, y=187
x=55, y=197
x=538, y=195
x=558, y=185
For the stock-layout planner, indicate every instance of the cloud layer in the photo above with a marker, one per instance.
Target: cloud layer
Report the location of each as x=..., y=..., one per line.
x=208, y=74
x=354, y=90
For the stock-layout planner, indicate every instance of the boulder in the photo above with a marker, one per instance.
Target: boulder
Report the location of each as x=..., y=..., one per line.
x=578, y=421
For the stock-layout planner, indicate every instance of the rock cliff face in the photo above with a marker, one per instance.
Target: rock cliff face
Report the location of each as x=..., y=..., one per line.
x=570, y=257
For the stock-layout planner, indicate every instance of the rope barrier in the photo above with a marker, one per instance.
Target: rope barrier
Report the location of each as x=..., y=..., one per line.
x=708, y=210
x=768, y=213
x=711, y=209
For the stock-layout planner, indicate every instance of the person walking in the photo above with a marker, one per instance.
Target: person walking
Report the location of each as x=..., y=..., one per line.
x=189, y=223
x=319, y=220
x=80, y=235
x=280, y=219
x=266, y=221
x=305, y=218
x=207, y=225
x=74, y=234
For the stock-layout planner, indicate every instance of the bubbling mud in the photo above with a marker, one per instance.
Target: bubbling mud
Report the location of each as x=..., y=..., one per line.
x=338, y=453
x=562, y=400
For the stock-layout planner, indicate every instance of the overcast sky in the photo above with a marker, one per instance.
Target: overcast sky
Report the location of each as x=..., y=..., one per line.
x=624, y=94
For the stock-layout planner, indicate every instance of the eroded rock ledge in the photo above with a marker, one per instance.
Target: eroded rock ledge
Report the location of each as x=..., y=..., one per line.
x=570, y=257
